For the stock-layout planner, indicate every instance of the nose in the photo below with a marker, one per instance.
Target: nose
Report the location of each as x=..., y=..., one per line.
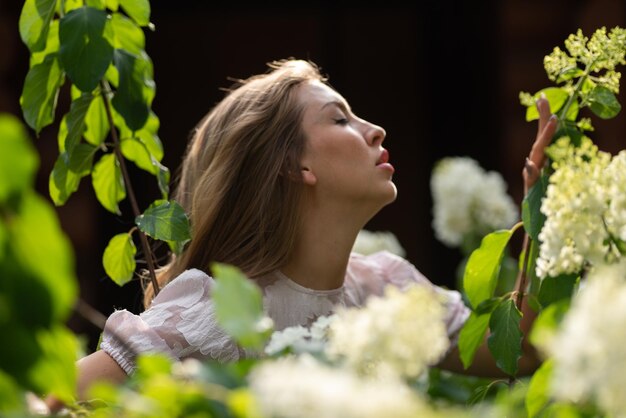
x=375, y=134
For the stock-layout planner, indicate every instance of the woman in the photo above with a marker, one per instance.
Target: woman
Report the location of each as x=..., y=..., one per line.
x=278, y=179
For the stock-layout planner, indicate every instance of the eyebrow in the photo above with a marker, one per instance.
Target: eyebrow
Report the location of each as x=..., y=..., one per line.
x=340, y=105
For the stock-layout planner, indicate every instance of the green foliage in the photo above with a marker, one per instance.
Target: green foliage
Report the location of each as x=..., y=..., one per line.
x=239, y=307
x=472, y=337
x=167, y=221
x=108, y=183
x=40, y=92
x=101, y=50
x=35, y=22
x=84, y=53
x=119, y=258
x=531, y=208
x=482, y=268
x=38, y=286
x=554, y=289
x=604, y=103
x=538, y=389
x=505, y=341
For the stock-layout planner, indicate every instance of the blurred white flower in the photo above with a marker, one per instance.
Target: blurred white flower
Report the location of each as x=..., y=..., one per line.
x=300, y=339
x=585, y=208
x=302, y=387
x=588, y=349
x=368, y=242
x=399, y=334
x=468, y=201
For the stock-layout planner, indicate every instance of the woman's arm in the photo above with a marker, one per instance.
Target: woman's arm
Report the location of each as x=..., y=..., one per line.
x=96, y=367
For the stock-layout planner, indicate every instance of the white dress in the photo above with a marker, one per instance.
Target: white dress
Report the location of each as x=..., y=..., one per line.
x=181, y=320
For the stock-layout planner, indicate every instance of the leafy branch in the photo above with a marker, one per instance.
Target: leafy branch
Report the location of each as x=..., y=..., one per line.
x=99, y=45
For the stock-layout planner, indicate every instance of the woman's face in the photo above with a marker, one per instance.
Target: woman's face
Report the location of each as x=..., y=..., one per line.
x=343, y=158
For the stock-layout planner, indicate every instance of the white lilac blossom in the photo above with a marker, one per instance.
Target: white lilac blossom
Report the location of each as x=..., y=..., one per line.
x=401, y=333
x=369, y=242
x=588, y=348
x=584, y=208
x=468, y=201
x=300, y=339
x=303, y=387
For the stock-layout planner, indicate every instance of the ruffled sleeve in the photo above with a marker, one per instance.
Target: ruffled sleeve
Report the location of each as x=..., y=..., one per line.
x=180, y=323
x=373, y=272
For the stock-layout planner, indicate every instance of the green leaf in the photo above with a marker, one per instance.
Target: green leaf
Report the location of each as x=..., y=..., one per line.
x=11, y=395
x=108, y=183
x=472, y=336
x=40, y=92
x=554, y=289
x=41, y=246
x=557, y=98
x=52, y=45
x=570, y=130
x=76, y=121
x=113, y=4
x=55, y=372
x=165, y=220
x=18, y=159
x=68, y=171
x=98, y=4
x=119, y=258
x=85, y=53
x=482, y=268
x=130, y=99
x=96, y=122
x=573, y=110
x=505, y=341
x=604, y=103
x=239, y=307
x=537, y=396
x=35, y=21
x=488, y=305
x=138, y=10
x=126, y=35
x=532, y=216
x=547, y=322
x=135, y=151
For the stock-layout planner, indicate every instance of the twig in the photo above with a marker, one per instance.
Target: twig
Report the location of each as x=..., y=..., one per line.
x=131, y=194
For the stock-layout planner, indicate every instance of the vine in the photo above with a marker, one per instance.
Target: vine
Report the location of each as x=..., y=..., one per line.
x=100, y=47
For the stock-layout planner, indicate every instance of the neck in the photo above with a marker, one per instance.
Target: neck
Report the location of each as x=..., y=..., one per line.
x=322, y=251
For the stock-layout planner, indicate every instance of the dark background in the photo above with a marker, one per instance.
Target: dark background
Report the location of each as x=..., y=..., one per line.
x=441, y=77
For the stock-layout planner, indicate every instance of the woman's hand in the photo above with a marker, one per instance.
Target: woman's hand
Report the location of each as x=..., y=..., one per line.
x=537, y=157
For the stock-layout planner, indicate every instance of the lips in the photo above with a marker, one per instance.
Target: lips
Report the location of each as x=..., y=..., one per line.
x=383, y=161
x=384, y=157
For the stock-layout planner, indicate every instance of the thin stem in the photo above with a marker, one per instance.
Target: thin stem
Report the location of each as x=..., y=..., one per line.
x=129, y=188
x=521, y=278
x=571, y=99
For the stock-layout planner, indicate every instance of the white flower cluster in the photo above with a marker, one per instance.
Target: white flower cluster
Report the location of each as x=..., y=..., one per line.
x=468, y=201
x=399, y=334
x=585, y=210
x=300, y=339
x=588, y=349
x=368, y=242
x=302, y=387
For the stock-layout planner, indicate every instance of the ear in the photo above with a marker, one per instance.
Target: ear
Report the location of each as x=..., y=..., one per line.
x=308, y=177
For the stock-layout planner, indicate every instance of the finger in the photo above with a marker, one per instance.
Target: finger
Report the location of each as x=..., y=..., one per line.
x=543, y=107
x=537, y=153
x=530, y=174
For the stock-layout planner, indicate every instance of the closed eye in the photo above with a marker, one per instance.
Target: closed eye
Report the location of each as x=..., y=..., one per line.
x=341, y=121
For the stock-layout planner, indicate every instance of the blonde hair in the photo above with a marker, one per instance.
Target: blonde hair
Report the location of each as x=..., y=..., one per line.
x=240, y=178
